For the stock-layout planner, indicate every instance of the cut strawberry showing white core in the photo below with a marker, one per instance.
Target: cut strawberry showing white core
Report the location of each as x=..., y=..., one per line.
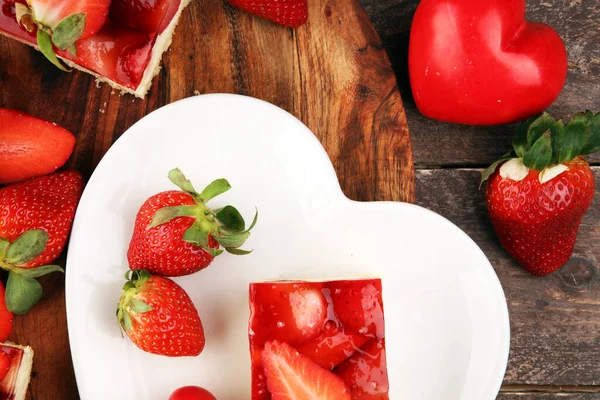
x=121, y=45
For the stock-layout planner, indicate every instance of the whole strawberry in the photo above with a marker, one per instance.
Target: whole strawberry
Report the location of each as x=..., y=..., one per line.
x=35, y=221
x=159, y=316
x=176, y=234
x=291, y=13
x=538, y=196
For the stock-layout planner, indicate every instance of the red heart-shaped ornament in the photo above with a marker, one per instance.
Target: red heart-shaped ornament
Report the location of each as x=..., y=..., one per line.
x=480, y=62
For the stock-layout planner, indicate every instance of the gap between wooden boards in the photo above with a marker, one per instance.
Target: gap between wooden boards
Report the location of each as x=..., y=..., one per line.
x=550, y=388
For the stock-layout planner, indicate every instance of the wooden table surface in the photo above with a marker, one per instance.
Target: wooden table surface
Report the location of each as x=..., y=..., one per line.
x=555, y=320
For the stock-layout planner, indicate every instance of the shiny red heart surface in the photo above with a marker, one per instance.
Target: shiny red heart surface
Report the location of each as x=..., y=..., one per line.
x=480, y=62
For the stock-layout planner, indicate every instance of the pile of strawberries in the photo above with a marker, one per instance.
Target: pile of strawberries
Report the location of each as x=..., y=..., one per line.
x=175, y=234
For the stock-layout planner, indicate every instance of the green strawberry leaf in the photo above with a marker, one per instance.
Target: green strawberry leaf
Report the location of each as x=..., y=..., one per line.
x=214, y=252
x=69, y=30
x=214, y=189
x=45, y=45
x=558, y=138
x=538, y=127
x=27, y=247
x=231, y=218
x=195, y=234
x=593, y=143
x=22, y=293
x=126, y=321
x=539, y=155
x=38, y=271
x=237, y=252
x=183, y=183
x=235, y=240
x=166, y=214
x=140, y=307
x=520, y=143
x=73, y=50
x=3, y=246
x=575, y=138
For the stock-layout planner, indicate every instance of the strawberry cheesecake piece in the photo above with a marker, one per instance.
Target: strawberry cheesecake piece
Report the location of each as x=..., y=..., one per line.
x=120, y=42
x=318, y=340
x=15, y=368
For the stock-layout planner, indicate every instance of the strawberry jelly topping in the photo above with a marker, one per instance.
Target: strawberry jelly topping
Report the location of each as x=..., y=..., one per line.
x=353, y=321
x=121, y=50
x=7, y=385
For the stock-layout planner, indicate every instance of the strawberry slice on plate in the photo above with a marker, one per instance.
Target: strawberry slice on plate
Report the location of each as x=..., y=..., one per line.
x=30, y=147
x=290, y=375
x=293, y=313
x=365, y=373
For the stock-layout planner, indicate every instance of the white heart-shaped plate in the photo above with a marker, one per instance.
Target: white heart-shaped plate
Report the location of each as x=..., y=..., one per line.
x=447, y=327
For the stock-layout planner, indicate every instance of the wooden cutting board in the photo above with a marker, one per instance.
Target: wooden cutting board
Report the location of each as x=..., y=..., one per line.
x=331, y=73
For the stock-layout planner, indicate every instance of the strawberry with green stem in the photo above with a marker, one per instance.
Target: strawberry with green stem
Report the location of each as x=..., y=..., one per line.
x=61, y=23
x=177, y=234
x=35, y=221
x=159, y=316
x=538, y=193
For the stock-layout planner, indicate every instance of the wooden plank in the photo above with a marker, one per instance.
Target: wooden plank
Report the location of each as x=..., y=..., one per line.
x=434, y=143
x=548, y=396
x=555, y=320
x=332, y=73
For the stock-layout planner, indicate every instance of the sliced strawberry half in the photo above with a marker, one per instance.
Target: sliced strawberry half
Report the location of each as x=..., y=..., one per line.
x=358, y=305
x=30, y=147
x=333, y=346
x=61, y=23
x=290, y=375
x=293, y=313
x=365, y=373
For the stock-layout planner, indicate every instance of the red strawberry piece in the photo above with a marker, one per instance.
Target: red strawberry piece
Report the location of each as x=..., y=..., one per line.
x=291, y=375
x=358, y=306
x=30, y=146
x=159, y=316
x=365, y=373
x=191, y=393
x=6, y=319
x=150, y=16
x=50, y=13
x=118, y=53
x=5, y=362
x=538, y=196
x=292, y=13
x=59, y=24
x=284, y=311
x=176, y=234
x=332, y=346
x=35, y=221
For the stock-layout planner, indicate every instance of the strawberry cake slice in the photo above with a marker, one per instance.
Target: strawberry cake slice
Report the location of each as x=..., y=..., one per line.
x=318, y=340
x=120, y=42
x=15, y=368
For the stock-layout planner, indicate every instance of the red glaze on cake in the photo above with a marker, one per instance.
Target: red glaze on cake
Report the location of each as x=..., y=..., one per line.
x=16, y=362
x=127, y=49
x=318, y=340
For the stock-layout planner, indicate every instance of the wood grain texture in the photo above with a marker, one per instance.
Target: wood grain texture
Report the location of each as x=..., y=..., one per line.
x=555, y=320
x=332, y=73
x=435, y=144
x=548, y=396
